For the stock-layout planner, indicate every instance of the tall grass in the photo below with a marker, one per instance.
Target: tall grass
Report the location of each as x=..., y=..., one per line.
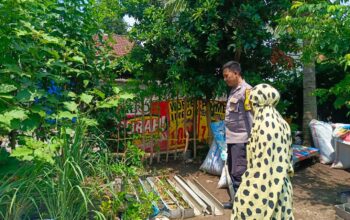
x=77, y=186
x=55, y=191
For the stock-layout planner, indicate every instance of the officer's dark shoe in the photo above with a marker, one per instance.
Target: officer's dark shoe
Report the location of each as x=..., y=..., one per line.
x=227, y=205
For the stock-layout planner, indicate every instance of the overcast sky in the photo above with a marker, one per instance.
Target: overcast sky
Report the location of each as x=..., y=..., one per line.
x=129, y=20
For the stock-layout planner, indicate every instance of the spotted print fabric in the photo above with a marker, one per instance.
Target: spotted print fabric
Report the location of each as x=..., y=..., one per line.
x=266, y=190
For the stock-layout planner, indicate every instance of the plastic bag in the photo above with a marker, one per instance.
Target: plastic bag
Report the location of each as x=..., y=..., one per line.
x=213, y=163
x=322, y=137
x=223, y=178
x=226, y=182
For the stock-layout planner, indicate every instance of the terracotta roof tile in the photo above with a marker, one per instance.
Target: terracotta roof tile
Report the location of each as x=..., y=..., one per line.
x=121, y=45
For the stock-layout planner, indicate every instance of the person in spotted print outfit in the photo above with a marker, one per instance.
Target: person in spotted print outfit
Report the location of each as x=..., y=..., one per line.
x=266, y=190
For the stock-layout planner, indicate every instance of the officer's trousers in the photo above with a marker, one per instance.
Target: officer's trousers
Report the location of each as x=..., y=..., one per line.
x=237, y=162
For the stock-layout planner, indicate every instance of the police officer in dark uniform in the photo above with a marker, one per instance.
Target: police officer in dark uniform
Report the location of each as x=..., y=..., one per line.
x=238, y=123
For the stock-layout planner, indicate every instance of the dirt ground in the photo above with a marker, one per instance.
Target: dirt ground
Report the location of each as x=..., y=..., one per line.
x=315, y=188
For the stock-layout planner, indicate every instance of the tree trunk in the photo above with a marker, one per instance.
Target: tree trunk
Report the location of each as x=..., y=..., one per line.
x=310, y=105
x=238, y=53
x=13, y=139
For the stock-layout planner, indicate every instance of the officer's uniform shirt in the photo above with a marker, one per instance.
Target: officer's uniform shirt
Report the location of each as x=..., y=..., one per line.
x=238, y=117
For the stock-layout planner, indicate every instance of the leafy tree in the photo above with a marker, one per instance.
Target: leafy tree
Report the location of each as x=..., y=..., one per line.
x=185, y=47
x=56, y=76
x=109, y=16
x=328, y=39
x=51, y=68
x=324, y=42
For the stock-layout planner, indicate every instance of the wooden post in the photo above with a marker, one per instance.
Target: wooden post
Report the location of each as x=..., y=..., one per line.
x=143, y=125
x=151, y=135
x=195, y=113
x=168, y=137
x=208, y=116
x=125, y=119
x=176, y=126
x=158, y=130
x=118, y=136
x=185, y=126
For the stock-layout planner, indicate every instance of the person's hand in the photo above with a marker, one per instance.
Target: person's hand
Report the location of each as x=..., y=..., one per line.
x=223, y=155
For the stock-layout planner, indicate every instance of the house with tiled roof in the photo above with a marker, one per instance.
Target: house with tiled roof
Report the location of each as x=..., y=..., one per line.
x=120, y=44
